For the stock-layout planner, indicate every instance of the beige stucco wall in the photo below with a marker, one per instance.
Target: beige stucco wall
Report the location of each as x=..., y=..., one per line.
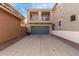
x=9, y=26
x=64, y=14
x=34, y=16
x=37, y=15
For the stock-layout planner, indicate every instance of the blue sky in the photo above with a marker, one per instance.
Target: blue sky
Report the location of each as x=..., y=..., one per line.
x=22, y=7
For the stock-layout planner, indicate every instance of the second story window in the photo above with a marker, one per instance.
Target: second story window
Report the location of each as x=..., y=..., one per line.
x=30, y=15
x=45, y=16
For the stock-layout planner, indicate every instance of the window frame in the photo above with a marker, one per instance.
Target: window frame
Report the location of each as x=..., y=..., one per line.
x=73, y=17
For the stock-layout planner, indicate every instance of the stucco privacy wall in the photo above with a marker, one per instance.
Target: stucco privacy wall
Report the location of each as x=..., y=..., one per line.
x=64, y=13
x=34, y=16
x=9, y=26
x=69, y=35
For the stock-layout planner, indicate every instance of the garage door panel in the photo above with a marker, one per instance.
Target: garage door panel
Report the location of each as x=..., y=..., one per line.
x=40, y=30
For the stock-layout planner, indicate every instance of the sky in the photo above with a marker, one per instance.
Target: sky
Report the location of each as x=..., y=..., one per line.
x=22, y=7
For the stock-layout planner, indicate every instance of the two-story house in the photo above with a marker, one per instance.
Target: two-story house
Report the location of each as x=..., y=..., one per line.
x=39, y=21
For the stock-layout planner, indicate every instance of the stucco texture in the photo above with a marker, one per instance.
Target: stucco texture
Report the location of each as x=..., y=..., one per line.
x=9, y=26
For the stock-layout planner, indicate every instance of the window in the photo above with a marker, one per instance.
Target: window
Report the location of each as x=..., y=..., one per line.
x=45, y=16
x=59, y=23
x=53, y=26
x=30, y=15
x=73, y=18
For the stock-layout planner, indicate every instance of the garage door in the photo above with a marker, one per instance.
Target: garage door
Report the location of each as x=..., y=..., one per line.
x=40, y=30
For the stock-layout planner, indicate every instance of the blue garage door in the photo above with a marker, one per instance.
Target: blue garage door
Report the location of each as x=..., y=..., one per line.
x=40, y=30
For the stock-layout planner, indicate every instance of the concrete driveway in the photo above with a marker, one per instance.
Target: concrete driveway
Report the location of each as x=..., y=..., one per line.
x=39, y=45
